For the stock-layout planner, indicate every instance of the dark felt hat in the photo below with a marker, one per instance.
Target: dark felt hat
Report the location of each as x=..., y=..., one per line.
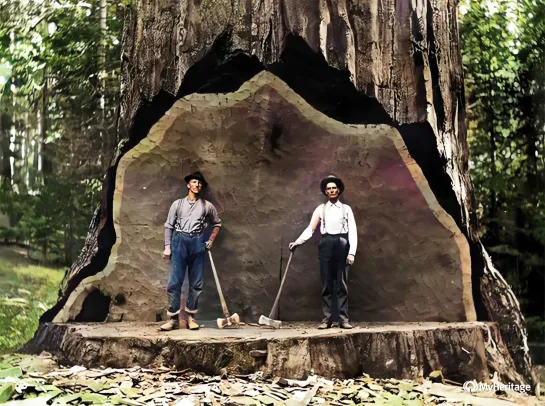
x=334, y=179
x=196, y=175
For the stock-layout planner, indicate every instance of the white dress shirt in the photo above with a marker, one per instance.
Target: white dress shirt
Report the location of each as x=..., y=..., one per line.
x=334, y=224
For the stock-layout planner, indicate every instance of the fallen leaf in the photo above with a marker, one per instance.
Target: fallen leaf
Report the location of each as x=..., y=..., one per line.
x=119, y=400
x=63, y=400
x=267, y=400
x=406, y=386
x=244, y=400
x=99, y=374
x=93, y=398
x=231, y=389
x=374, y=387
x=97, y=386
x=11, y=372
x=131, y=392
x=6, y=391
x=413, y=402
x=191, y=400
x=74, y=370
x=126, y=384
x=200, y=389
x=159, y=394
x=362, y=395
x=251, y=393
x=351, y=390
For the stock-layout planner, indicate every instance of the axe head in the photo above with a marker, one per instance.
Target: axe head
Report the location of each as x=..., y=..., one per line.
x=234, y=319
x=265, y=321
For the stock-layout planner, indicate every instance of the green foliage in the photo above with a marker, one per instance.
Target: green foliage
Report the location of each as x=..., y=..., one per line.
x=535, y=327
x=59, y=87
x=27, y=291
x=55, y=219
x=503, y=43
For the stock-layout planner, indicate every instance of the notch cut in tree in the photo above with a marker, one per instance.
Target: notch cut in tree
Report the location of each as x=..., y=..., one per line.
x=357, y=62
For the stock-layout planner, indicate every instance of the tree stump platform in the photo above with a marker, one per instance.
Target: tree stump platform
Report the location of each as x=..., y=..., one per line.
x=400, y=350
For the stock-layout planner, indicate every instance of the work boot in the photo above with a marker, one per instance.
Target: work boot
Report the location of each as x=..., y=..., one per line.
x=172, y=324
x=346, y=325
x=192, y=324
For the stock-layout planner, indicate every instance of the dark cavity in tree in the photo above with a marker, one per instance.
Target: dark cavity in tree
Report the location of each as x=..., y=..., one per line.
x=95, y=308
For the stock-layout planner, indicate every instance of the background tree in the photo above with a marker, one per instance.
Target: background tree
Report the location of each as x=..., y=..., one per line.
x=59, y=84
x=503, y=45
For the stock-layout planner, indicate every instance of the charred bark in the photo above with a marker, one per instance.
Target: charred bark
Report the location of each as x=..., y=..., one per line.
x=397, y=62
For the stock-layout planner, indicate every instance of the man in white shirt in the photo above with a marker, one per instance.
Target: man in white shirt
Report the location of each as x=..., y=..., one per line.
x=337, y=248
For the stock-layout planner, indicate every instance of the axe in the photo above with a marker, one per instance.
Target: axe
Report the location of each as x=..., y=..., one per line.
x=228, y=320
x=269, y=321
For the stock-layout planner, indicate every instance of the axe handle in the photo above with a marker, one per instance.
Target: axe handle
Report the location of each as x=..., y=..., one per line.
x=220, y=293
x=275, y=305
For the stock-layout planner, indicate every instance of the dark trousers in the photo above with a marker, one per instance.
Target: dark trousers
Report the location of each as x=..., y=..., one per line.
x=187, y=252
x=333, y=250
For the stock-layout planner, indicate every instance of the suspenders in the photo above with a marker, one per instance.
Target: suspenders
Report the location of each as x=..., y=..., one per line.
x=343, y=214
x=178, y=212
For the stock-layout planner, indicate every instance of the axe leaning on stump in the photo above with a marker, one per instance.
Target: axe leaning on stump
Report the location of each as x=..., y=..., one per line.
x=229, y=320
x=269, y=321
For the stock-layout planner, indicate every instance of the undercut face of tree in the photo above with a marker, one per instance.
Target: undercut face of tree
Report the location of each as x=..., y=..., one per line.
x=263, y=150
x=395, y=64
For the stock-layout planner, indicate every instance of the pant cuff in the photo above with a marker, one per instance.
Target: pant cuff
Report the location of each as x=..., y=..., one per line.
x=172, y=314
x=187, y=310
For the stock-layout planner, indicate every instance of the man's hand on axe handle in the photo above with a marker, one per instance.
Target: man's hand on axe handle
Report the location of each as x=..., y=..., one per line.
x=292, y=246
x=167, y=253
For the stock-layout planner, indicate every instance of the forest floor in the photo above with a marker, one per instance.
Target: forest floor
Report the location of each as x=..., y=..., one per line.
x=27, y=291
x=38, y=380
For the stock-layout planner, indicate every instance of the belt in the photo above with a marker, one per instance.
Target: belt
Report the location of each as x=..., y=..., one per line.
x=191, y=234
x=344, y=235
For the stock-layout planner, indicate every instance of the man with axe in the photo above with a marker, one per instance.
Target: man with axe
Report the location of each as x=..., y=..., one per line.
x=186, y=247
x=337, y=248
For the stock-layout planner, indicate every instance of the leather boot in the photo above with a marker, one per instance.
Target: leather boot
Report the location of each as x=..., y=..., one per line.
x=171, y=324
x=192, y=324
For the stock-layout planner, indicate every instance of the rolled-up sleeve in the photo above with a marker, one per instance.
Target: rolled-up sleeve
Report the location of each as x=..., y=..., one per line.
x=215, y=220
x=171, y=218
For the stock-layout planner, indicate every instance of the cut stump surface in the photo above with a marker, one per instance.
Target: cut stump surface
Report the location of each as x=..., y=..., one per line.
x=400, y=350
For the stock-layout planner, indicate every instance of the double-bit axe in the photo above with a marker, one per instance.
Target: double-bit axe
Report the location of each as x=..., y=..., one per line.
x=228, y=320
x=269, y=321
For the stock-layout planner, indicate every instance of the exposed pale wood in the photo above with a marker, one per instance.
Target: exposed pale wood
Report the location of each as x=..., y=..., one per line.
x=407, y=243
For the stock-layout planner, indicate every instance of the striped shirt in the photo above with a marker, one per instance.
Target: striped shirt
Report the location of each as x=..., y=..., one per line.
x=192, y=217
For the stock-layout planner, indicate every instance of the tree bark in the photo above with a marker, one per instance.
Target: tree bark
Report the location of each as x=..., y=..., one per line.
x=406, y=55
x=47, y=164
x=104, y=137
x=5, y=176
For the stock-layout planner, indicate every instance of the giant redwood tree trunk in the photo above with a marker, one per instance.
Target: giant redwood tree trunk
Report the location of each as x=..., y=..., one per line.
x=355, y=61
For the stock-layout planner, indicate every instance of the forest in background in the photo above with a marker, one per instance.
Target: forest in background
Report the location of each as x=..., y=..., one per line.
x=503, y=53
x=59, y=88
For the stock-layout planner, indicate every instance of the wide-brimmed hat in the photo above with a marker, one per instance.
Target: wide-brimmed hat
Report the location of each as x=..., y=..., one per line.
x=196, y=175
x=334, y=179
